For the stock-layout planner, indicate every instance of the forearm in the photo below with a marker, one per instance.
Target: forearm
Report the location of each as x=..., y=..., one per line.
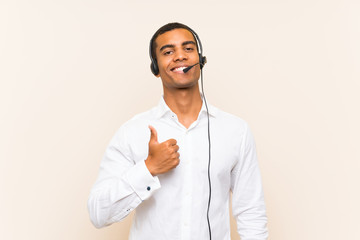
x=252, y=222
x=248, y=197
x=249, y=207
x=110, y=202
x=113, y=198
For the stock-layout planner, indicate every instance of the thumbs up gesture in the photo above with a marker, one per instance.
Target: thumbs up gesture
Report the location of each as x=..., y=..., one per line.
x=162, y=156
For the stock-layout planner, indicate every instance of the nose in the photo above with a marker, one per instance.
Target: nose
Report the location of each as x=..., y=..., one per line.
x=180, y=55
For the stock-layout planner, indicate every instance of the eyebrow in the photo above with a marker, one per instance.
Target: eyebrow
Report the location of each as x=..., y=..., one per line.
x=172, y=45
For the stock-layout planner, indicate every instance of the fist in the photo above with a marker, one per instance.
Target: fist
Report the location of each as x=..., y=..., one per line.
x=163, y=156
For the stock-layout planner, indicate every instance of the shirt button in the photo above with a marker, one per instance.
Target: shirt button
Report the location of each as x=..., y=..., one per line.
x=148, y=188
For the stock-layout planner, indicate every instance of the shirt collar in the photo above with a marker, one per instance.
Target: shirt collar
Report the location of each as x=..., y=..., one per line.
x=163, y=109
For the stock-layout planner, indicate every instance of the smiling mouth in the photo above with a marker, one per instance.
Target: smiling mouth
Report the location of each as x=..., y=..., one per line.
x=178, y=69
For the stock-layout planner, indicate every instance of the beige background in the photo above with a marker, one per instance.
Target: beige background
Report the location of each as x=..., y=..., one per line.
x=73, y=71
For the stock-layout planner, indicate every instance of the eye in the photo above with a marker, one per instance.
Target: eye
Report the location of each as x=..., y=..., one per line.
x=189, y=49
x=167, y=53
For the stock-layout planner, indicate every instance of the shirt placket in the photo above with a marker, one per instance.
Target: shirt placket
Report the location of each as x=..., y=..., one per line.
x=187, y=186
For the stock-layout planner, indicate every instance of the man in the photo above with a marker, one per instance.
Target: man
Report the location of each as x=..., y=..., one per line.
x=157, y=163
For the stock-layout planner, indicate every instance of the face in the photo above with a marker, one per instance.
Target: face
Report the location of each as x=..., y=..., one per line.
x=176, y=50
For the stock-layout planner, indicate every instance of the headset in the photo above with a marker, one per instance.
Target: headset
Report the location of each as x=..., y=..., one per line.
x=154, y=66
x=202, y=60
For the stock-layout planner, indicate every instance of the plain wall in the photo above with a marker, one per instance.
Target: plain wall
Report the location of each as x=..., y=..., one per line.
x=71, y=72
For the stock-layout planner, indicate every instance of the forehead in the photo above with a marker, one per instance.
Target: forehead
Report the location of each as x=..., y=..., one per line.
x=174, y=37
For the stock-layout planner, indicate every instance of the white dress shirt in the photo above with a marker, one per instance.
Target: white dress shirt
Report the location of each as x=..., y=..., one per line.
x=173, y=205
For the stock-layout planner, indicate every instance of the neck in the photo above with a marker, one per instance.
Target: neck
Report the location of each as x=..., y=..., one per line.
x=185, y=103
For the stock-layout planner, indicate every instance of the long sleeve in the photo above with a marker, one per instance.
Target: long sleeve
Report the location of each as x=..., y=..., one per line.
x=122, y=183
x=248, y=199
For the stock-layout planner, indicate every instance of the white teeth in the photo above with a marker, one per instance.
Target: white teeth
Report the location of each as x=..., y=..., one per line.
x=179, y=68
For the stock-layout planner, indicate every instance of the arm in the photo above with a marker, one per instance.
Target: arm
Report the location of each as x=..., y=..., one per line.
x=122, y=184
x=248, y=199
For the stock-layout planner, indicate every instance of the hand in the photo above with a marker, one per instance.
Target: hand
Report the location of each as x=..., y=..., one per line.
x=162, y=156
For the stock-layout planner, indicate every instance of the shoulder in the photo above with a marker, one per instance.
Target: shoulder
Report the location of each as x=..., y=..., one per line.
x=229, y=120
x=137, y=126
x=140, y=119
x=232, y=130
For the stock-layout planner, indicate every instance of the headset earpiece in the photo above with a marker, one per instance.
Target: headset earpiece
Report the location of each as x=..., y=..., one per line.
x=202, y=60
x=154, y=67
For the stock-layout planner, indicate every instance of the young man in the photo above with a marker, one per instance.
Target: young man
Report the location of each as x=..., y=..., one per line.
x=157, y=163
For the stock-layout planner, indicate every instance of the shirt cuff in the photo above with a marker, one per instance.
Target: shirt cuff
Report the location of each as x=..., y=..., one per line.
x=141, y=180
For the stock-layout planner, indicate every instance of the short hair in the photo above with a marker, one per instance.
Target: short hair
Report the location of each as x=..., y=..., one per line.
x=166, y=28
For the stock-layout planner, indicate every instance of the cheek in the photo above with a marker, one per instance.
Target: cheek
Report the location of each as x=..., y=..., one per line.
x=162, y=64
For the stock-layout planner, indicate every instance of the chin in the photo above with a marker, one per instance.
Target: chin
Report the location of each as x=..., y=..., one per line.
x=185, y=85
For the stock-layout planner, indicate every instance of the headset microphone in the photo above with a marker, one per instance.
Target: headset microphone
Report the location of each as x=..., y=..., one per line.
x=185, y=70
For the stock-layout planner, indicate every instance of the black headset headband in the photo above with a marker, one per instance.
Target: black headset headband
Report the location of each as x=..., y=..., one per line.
x=154, y=66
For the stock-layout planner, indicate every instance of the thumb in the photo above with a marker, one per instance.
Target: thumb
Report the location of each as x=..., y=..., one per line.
x=153, y=136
